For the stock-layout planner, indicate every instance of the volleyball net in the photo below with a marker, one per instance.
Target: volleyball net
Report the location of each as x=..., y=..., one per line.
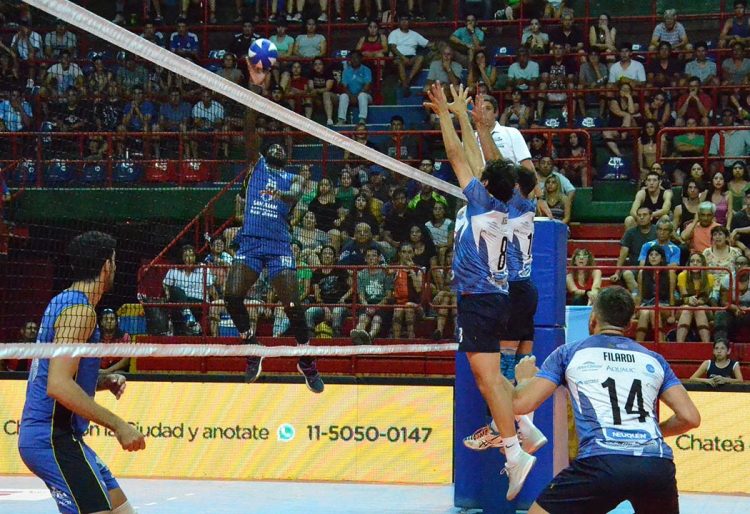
x=151, y=144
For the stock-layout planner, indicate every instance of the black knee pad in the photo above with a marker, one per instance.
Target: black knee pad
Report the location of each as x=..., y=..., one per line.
x=298, y=324
x=236, y=308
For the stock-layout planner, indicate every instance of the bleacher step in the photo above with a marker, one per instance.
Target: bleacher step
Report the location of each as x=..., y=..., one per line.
x=601, y=231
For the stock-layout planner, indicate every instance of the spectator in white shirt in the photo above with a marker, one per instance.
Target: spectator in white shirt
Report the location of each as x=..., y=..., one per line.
x=62, y=76
x=189, y=284
x=60, y=39
x=626, y=69
x=15, y=113
x=406, y=45
x=27, y=45
x=208, y=116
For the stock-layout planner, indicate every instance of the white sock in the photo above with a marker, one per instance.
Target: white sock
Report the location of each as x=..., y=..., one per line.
x=493, y=426
x=512, y=449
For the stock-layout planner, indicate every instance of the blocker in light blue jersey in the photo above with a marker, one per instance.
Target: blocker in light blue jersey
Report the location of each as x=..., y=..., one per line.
x=521, y=226
x=614, y=384
x=265, y=236
x=481, y=244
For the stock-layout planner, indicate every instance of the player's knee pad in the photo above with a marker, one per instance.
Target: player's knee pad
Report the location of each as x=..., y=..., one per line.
x=297, y=323
x=125, y=508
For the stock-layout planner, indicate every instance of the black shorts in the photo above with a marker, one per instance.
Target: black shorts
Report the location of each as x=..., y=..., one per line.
x=481, y=322
x=523, y=300
x=598, y=484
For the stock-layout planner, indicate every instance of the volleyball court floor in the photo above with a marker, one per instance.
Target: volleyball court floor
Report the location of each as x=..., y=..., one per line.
x=27, y=495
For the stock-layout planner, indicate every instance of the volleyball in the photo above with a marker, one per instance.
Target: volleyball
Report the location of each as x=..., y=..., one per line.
x=262, y=52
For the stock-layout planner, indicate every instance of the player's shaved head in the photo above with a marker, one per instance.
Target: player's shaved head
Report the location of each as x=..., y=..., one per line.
x=614, y=307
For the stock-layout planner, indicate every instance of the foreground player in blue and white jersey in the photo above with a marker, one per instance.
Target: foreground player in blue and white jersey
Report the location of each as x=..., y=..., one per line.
x=614, y=384
x=60, y=392
x=480, y=277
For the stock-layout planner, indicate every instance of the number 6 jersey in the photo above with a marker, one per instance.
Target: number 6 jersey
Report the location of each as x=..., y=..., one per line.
x=614, y=385
x=481, y=243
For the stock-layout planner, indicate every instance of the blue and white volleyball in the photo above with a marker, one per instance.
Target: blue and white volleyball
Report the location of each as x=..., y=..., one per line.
x=262, y=52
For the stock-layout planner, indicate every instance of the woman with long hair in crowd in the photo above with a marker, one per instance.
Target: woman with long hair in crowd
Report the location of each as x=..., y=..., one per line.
x=441, y=231
x=575, y=166
x=720, y=254
x=361, y=213
x=647, y=285
x=517, y=114
x=583, y=284
x=647, y=148
x=407, y=291
x=695, y=287
x=346, y=192
x=687, y=210
x=718, y=194
x=425, y=254
x=328, y=211
x=558, y=203
x=738, y=185
x=482, y=71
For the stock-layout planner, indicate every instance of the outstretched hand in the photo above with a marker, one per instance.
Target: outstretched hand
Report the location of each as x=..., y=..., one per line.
x=438, y=102
x=256, y=73
x=461, y=100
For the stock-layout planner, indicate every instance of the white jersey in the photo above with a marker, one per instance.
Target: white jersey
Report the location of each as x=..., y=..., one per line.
x=614, y=384
x=521, y=227
x=511, y=144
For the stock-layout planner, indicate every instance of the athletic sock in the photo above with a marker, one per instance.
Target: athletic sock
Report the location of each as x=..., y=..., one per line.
x=512, y=449
x=508, y=363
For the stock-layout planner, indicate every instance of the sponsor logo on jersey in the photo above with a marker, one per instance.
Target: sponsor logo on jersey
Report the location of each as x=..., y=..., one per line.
x=650, y=368
x=589, y=366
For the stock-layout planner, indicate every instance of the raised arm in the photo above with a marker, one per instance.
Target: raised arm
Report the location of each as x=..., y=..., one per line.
x=453, y=147
x=459, y=107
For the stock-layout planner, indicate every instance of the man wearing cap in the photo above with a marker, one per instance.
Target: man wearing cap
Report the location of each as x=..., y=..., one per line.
x=60, y=39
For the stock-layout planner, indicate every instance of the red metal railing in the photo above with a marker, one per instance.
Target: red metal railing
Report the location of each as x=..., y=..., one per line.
x=733, y=297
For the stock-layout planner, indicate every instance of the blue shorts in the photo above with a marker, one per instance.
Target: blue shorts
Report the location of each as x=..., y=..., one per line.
x=77, y=478
x=255, y=253
x=595, y=485
x=523, y=300
x=481, y=322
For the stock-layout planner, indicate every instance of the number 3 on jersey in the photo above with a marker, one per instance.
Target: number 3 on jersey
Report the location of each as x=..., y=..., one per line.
x=503, y=253
x=634, y=396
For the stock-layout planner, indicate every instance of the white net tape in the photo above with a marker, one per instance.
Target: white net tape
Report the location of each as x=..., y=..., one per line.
x=47, y=351
x=98, y=26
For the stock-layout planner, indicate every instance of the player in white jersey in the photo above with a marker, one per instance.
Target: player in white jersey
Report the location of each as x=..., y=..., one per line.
x=615, y=385
x=480, y=275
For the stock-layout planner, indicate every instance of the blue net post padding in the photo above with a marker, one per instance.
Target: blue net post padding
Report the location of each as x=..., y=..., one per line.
x=478, y=482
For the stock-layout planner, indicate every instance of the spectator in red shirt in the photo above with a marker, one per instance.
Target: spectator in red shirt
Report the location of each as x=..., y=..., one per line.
x=694, y=104
x=297, y=91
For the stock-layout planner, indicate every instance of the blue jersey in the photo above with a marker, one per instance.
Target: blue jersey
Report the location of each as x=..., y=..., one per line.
x=614, y=385
x=42, y=416
x=481, y=243
x=521, y=224
x=265, y=216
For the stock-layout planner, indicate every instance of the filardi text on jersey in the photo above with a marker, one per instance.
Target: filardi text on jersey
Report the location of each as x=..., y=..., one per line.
x=619, y=357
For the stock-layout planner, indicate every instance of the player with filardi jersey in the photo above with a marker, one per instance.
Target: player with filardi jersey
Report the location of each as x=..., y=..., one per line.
x=615, y=385
x=480, y=271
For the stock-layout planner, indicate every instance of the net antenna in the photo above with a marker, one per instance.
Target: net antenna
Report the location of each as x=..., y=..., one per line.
x=108, y=31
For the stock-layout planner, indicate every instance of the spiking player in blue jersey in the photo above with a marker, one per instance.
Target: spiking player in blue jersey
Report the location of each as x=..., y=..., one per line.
x=614, y=385
x=60, y=393
x=480, y=274
x=269, y=193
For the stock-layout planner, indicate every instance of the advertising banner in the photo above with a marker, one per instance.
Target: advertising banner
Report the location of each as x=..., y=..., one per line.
x=714, y=458
x=371, y=433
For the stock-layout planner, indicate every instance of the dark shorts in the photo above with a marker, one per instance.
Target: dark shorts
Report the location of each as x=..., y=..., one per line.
x=481, y=322
x=76, y=477
x=598, y=484
x=523, y=300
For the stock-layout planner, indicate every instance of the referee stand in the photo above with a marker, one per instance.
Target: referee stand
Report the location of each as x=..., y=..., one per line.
x=478, y=482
